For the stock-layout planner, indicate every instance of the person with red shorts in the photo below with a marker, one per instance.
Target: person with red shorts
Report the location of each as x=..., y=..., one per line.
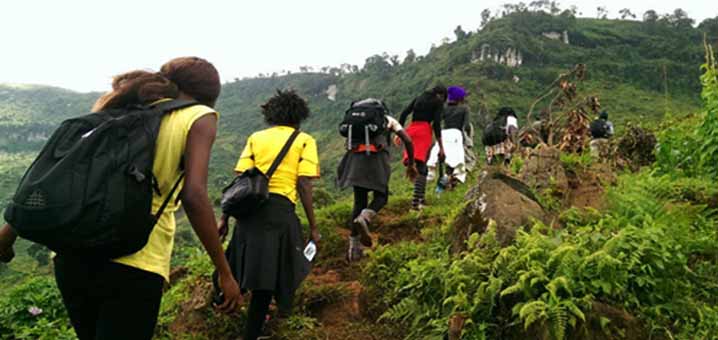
x=426, y=111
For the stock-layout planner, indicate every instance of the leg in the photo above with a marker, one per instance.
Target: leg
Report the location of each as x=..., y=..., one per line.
x=367, y=215
x=379, y=200
x=258, y=308
x=131, y=303
x=361, y=201
x=419, y=186
x=75, y=284
x=360, y=228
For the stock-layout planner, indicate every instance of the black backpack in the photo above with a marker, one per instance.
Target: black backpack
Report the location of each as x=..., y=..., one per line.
x=363, y=121
x=495, y=132
x=89, y=192
x=599, y=128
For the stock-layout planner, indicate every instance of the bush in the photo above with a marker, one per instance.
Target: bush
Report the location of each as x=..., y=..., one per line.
x=34, y=310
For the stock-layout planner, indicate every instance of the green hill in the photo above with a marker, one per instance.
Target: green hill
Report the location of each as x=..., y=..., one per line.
x=639, y=71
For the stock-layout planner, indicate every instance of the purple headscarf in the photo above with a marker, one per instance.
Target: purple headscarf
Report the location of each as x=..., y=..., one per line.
x=456, y=93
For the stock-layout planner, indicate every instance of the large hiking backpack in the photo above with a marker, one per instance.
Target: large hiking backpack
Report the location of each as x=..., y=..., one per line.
x=599, y=128
x=89, y=191
x=495, y=132
x=363, y=121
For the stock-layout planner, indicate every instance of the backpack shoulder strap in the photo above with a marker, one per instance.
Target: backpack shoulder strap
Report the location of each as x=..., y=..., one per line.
x=169, y=197
x=282, y=153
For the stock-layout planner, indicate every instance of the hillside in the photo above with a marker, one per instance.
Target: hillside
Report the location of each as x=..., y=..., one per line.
x=626, y=62
x=615, y=255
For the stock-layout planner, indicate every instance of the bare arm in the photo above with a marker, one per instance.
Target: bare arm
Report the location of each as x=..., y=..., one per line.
x=406, y=112
x=7, y=240
x=198, y=207
x=408, y=145
x=305, y=188
x=411, y=171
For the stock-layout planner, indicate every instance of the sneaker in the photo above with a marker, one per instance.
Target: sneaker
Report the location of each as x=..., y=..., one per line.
x=363, y=221
x=355, y=251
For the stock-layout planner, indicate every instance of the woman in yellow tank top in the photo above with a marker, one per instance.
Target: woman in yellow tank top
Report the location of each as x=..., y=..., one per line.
x=120, y=298
x=266, y=247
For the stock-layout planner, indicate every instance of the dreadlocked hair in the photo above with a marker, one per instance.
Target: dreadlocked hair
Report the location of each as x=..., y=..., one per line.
x=285, y=108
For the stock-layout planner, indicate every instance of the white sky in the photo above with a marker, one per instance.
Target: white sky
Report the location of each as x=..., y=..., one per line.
x=81, y=44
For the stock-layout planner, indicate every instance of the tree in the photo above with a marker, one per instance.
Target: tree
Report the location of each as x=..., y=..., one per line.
x=303, y=69
x=485, y=17
x=679, y=19
x=377, y=64
x=539, y=5
x=410, y=56
x=710, y=27
x=460, y=33
x=554, y=8
x=601, y=12
x=625, y=13
x=394, y=60
x=650, y=16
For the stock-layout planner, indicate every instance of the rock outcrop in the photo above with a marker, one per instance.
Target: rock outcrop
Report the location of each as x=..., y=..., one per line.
x=510, y=57
x=543, y=171
x=499, y=198
x=560, y=36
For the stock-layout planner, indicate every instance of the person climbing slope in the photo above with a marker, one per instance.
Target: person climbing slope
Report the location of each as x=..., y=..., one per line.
x=426, y=110
x=601, y=132
x=266, y=246
x=499, y=136
x=366, y=166
x=456, y=127
x=119, y=297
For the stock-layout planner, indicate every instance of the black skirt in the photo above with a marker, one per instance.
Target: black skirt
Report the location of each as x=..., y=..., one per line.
x=357, y=169
x=266, y=251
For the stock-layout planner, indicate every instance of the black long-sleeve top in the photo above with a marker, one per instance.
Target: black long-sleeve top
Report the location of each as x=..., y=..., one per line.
x=425, y=108
x=456, y=117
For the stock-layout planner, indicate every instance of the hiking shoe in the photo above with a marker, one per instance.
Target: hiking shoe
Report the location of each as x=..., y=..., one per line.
x=363, y=221
x=417, y=205
x=355, y=251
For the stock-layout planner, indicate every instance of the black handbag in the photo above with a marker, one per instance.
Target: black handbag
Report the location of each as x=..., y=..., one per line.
x=250, y=189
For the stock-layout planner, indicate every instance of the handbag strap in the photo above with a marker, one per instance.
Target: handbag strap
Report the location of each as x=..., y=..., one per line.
x=282, y=153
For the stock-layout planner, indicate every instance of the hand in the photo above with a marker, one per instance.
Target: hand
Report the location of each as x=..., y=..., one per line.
x=223, y=228
x=412, y=172
x=397, y=141
x=7, y=239
x=316, y=237
x=232, y=295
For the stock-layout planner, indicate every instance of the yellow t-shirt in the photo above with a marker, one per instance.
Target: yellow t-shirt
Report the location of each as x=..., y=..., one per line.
x=171, y=141
x=301, y=160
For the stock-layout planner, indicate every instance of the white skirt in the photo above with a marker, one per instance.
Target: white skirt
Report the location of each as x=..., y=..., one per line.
x=453, y=140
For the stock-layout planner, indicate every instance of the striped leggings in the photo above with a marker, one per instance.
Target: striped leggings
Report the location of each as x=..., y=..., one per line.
x=420, y=184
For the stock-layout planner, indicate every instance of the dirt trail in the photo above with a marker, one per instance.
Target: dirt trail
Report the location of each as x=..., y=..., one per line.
x=343, y=318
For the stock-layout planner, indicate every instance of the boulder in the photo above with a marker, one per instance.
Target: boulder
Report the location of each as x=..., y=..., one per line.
x=498, y=197
x=543, y=171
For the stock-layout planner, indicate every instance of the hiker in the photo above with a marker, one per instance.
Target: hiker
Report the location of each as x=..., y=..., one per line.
x=456, y=127
x=426, y=110
x=366, y=166
x=601, y=131
x=120, y=298
x=266, y=249
x=499, y=135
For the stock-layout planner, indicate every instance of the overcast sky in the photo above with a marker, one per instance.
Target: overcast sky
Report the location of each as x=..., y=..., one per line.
x=81, y=44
